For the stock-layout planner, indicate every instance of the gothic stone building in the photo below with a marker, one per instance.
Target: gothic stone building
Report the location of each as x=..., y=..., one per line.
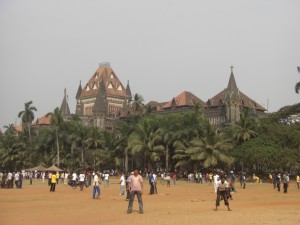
x=104, y=99
x=101, y=99
x=222, y=109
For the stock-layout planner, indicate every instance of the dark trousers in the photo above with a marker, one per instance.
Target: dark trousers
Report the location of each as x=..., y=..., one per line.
x=139, y=197
x=223, y=195
x=151, y=188
x=52, y=187
x=285, y=187
x=278, y=186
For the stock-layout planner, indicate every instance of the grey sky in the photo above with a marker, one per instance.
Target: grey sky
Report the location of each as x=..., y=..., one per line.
x=161, y=47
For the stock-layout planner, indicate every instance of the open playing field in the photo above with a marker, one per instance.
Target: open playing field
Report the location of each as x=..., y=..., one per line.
x=184, y=203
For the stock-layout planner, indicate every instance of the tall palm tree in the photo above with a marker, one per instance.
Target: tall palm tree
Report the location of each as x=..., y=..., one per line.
x=297, y=86
x=27, y=116
x=210, y=149
x=245, y=131
x=123, y=131
x=56, y=121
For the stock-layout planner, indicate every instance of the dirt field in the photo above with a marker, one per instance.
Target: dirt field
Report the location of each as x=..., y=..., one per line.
x=184, y=203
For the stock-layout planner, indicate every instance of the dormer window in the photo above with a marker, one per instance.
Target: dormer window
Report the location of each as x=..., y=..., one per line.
x=111, y=76
x=120, y=88
x=110, y=86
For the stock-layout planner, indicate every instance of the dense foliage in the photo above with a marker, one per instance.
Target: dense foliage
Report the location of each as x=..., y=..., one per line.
x=168, y=142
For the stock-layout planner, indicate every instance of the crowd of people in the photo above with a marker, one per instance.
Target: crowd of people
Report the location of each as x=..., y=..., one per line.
x=131, y=184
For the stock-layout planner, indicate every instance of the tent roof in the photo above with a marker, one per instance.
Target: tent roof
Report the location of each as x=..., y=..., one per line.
x=37, y=168
x=53, y=168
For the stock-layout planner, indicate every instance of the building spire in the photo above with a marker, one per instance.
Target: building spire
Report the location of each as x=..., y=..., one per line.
x=231, y=67
x=64, y=108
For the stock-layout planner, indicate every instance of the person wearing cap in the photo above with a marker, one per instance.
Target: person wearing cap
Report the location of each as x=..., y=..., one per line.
x=136, y=188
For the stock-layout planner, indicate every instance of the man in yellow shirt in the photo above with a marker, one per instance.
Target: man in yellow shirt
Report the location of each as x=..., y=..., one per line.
x=298, y=181
x=53, y=182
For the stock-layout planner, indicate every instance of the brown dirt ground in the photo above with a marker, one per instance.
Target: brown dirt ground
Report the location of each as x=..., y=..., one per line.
x=180, y=204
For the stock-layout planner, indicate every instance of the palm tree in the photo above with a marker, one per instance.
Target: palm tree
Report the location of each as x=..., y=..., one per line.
x=245, y=131
x=27, y=116
x=145, y=140
x=123, y=131
x=297, y=86
x=10, y=129
x=137, y=104
x=56, y=121
x=211, y=149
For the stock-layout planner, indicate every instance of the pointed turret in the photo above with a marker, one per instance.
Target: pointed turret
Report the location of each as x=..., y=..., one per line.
x=100, y=103
x=232, y=101
x=128, y=91
x=79, y=91
x=232, y=91
x=64, y=108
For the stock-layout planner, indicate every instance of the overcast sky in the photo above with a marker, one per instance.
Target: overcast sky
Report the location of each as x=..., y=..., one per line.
x=161, y=47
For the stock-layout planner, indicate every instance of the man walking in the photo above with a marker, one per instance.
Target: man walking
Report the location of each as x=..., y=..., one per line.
x=53, y=182
x=96, y=186
x=136, y=188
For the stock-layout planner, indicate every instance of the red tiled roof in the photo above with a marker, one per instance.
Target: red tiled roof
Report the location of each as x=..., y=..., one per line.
x=184, y=99
x=43, y=120
x=103, y=72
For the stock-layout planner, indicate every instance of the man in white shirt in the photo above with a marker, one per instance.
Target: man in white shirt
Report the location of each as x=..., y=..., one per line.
x=81, y=180
x=96, y=186
x=106, y=180
x=222, y=192
x=74, y=178
x=122, y=184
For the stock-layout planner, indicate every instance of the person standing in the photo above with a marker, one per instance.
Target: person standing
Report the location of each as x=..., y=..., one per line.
x=57, y=177
x=96, y=186
x=81, y=180
x=222, y=191
x=278, y=181
x=106, y=179
x=151, y=182
x=136, y=188
x=285, y=182
x=53, y=182
x=74, y=179
x=232, y=181
x=122, y=184
x=298, y=181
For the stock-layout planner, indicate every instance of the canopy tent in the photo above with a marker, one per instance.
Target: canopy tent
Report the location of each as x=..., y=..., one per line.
x=54, y=168
x=37, y=168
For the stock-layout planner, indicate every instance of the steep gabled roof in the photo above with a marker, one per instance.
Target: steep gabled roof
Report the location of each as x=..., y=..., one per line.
x=184, y=99
x=245, y=101
x=111, y=82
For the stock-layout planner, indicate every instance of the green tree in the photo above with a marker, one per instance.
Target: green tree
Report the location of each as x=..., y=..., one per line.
x=137, y=104
x=211, y=149
x=27, y=116
x=56, y=121
x=145, y=141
